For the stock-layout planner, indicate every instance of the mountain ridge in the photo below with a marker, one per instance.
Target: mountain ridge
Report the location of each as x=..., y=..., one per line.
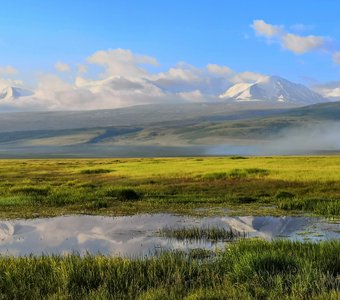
x=13, y=92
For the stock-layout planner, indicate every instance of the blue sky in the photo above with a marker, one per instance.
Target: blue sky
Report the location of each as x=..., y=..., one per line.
x=34, y=35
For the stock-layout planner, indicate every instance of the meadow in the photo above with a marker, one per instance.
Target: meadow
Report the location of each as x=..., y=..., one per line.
x=235, y=185
x=196, y=186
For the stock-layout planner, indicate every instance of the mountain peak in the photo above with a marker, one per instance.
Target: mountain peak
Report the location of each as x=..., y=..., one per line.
x=11, y=92
x=273, y=89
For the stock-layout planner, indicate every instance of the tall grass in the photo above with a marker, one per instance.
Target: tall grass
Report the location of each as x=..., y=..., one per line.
x=248, y=269
x=326, y=207
x=213, y=234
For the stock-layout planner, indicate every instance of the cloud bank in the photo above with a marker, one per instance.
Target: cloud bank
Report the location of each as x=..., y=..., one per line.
x=122, y=78
x=8, y=70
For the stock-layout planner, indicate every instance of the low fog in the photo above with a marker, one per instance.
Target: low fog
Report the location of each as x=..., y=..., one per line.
x=309, y=139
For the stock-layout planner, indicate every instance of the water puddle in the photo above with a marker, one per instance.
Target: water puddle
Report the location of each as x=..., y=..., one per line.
x=137, y=235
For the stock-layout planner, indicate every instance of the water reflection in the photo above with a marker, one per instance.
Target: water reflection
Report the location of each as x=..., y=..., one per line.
x=137, y=235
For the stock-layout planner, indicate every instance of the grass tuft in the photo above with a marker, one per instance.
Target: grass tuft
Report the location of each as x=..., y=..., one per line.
x=284, y=195
x=124, y=194
x=238, y=157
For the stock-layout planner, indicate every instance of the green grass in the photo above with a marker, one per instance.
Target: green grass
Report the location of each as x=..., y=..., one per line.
x=213, y=234
x=287, y=185
x=247, y=269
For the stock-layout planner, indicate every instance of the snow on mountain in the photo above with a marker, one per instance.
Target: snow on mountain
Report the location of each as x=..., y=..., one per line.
x=274, y=89
x=10, y=92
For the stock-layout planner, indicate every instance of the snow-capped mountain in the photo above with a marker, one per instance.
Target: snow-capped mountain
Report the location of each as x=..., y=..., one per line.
x=274, y=89
x=11, y=92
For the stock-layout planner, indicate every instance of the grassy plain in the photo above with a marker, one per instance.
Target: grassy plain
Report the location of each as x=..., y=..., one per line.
x=245, y=185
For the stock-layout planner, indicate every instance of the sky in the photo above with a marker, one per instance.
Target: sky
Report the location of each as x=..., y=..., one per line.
x=64, y=46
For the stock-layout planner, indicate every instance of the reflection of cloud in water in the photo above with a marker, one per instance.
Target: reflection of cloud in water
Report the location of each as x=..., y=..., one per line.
x=269, y=227
x=137, y=235
x=6, y=230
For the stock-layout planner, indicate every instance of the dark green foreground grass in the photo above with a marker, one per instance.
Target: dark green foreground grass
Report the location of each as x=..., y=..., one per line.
x=248, y=269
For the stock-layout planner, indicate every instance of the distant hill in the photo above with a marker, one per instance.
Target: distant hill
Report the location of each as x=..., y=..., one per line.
x=94, y=132
x=324, y=111
x=142, y=115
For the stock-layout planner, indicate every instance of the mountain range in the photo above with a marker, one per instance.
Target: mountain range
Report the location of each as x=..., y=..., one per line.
x=268, y=89
x=250, y=115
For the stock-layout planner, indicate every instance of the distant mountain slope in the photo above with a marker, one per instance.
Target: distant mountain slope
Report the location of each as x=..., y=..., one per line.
x=142, y=115
x=10, y=92
x=174, y=125
x=242, y=130
x=324, y=111
x=272, y=89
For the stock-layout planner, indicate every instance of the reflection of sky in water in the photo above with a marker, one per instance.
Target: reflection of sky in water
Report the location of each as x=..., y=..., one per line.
x=137, y=235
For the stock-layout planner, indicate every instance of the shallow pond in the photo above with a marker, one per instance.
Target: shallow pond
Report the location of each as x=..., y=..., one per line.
x=137, y=235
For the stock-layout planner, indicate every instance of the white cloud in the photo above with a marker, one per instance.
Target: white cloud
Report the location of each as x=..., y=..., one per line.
x=9, y=82
x=122, y=62
x=8, y=70
x=292, y=42
x=184, y=78
x=194, y=96
x=264, y=29
x=329, y=90
x=62, y=67
x=82, y=69
x=299, y=44
x=335, y=93
x=336, y=58
x=182, y=71
x=53, y=93
x=219, y=70
x=247, y=77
